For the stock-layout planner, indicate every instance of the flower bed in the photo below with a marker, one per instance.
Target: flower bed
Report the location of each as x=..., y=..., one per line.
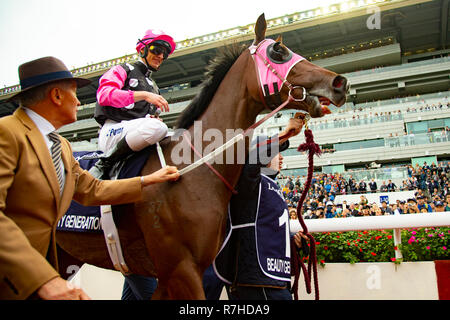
x=418, y=244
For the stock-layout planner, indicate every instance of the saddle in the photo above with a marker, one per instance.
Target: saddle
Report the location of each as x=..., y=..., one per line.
x=127, y=168
x=98, y=219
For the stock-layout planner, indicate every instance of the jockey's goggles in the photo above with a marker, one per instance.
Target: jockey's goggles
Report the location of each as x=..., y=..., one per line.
x=157, y=49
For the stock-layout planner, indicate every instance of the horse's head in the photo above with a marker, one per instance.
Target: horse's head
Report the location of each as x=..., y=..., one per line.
x=283, y=73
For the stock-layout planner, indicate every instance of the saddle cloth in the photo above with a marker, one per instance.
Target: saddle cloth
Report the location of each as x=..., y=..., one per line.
x=79, y=218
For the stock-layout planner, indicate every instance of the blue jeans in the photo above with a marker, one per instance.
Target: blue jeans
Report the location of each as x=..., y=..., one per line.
x=212, y=285
x=138, y=287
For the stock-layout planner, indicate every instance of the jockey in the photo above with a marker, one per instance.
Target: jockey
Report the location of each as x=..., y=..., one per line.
x=128, y=101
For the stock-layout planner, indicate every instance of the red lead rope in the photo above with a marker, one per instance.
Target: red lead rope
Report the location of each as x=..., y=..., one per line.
x=313, y=149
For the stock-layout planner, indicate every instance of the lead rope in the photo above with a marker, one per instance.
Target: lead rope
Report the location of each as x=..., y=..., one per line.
x=313, y=149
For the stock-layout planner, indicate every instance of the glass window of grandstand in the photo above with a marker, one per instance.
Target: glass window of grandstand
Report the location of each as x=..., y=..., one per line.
x=423, y=126
x=430, y=131
x=291, y=152
x=333, y=169
x=354, y=145
x=294, y=172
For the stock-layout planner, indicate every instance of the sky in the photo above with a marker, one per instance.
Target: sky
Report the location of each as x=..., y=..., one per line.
x=82, y=32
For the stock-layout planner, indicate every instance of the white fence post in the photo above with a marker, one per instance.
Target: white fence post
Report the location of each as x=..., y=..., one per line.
x=397, y=243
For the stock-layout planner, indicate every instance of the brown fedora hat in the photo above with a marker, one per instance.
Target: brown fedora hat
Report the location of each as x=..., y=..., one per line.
x=41, y=71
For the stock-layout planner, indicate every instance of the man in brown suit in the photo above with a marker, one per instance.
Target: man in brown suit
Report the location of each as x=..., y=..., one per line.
x=39, y=177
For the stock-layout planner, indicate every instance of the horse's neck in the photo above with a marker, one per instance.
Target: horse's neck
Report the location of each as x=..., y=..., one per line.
x=231, y=106
x=231, y=111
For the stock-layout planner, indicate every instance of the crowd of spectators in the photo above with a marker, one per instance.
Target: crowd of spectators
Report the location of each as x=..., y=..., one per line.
x=362, y=117
x=430, y=184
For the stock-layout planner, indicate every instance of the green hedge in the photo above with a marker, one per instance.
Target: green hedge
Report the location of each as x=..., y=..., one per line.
x=418, y=244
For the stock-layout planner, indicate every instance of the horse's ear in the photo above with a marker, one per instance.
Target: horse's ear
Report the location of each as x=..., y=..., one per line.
x=279, y=39
x=260, y=29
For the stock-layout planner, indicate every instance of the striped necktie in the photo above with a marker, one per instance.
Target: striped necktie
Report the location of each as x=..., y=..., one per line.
x=56, y=157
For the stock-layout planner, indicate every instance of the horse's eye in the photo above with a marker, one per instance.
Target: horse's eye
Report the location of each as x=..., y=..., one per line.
x=278, y=53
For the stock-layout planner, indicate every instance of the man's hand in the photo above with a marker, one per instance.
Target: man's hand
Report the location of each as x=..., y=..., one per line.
x=293, y=128
x=168, y=173
x=298, y=239
x=152, y=98
x=60, y=289
x=295, y=124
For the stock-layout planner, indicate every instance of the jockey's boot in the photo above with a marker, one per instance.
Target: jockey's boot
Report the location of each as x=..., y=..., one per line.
x=103, y=166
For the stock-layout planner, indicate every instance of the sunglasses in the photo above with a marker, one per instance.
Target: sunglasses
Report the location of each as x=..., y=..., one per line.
x=157, y=50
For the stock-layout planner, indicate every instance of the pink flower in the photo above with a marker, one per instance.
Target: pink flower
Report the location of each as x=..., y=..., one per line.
x=444, y=247
x=428, y=247
x=413, y=233
x=430, y=235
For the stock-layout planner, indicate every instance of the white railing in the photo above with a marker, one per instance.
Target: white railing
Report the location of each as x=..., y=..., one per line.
x=395, y=222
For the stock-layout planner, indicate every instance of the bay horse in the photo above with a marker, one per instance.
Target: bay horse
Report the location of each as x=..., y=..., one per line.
x=176, y=232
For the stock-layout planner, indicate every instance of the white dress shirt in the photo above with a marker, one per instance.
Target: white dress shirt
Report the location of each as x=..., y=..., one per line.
x=45, y=127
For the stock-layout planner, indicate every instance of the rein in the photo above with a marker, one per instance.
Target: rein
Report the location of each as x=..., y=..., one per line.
x=313, y=149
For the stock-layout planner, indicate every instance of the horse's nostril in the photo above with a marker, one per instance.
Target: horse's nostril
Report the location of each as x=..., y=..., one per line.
x=340, y=84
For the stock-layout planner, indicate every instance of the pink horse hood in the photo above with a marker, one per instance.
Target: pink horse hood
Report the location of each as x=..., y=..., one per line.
x=266, y=76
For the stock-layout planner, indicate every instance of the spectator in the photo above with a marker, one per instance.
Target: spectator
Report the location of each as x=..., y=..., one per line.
x=412, y=206
x=293, y=214
x=373, y=186
x=353, y=210
x=365, y=211
x=421, y=204
x=308, y=214
x=377, y=211
x=439, y=206
x=447, y=206
x=385, y=208
x=319, y=212
x=362, y=186
x=363, y=200
x=391, y=186
x=330, y=210
x=400, y=208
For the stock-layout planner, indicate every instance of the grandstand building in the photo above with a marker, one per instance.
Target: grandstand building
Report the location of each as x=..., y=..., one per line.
x=395, y=54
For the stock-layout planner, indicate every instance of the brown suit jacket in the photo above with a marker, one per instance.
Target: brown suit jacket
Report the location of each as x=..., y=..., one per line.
x=31, y=204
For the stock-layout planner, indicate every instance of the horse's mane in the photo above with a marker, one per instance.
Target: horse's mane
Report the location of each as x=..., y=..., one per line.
x=215, y=72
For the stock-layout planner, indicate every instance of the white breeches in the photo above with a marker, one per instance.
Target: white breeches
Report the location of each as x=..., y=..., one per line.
x=139, y=133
